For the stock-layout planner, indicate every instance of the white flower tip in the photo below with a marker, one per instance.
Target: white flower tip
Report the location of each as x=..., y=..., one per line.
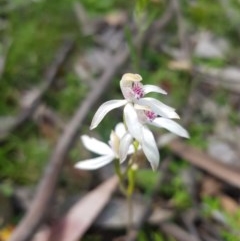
x=82, y=165
x=154, y=166
x=94, y=123
x=182, y=132
x=84, y=137
x=186, y=135
x=131, y=77
x=175, y=116
x=78, y=166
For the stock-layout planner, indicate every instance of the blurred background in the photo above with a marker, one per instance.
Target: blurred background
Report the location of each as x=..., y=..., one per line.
x=54, y=53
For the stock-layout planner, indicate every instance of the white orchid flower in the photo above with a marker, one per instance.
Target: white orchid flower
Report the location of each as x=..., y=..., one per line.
x=134, y=92
x=107, y=152
x=136, y=119
x=142, y=134
x=146, y=116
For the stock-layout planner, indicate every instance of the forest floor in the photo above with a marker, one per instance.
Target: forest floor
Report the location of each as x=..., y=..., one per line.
x=60, y=61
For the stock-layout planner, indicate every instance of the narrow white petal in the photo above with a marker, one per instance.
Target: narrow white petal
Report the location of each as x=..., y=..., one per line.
x=158, y=107
x=96, y=146
x=171, y=126
x=120, y=130
x=132, y=122
x=104, y=109
x=94, y=163
x=124, y=148
x=150, y=148
x=153, y=88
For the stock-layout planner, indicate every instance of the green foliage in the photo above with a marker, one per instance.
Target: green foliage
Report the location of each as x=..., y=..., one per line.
x=67, y=99
x=228, y=236
x=103, y=6
x=198, y=132
x=37, y=31
x=211, y=63
x=155, y=236
x=203, y=12
x=221, y=97
x=211, y=205
x=158, y=237
x=146, y=179
x=175, y=83
x=21, y=160
x=234, y=118
x=92, y=238
x=6, y=188
x=175, y=188
x=141, y=6
x=233, y=221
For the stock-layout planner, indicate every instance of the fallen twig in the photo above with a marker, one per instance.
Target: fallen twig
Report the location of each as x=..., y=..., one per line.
x=205, y=162
x=177, y=232
x=166, y=17
x=182, y=33
x=78, y=219
x=227, y=78
x=49, y=77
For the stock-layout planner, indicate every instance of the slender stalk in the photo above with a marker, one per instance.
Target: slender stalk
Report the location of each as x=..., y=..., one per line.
x=130, y=190
x=130, y=212
x=120, y=177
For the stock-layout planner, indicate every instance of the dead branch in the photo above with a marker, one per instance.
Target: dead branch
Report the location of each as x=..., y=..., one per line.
x=176, y=232
x=46, y=187
x=165, y=19
x=205, y=162
x=182, y=33
x=80, y=215
x=227, y=78
x=49, y=77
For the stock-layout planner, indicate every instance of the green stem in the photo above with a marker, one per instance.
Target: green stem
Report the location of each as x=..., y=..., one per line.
x=120, y=176
x=131, y=185
x=130, y=212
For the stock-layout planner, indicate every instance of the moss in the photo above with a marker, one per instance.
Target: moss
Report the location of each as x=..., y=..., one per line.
x=37, y=31
x=21, y=161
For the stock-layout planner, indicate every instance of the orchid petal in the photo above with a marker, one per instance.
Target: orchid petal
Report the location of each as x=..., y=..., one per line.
x=132, y=122
x=104, y=109
x=94, y=163
x=150, y=148
x=125, y=147
x=129, y=77
x=158, y=107
x=96, y=146
x=153, y=88
x=120, y=130
x=170, y=125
